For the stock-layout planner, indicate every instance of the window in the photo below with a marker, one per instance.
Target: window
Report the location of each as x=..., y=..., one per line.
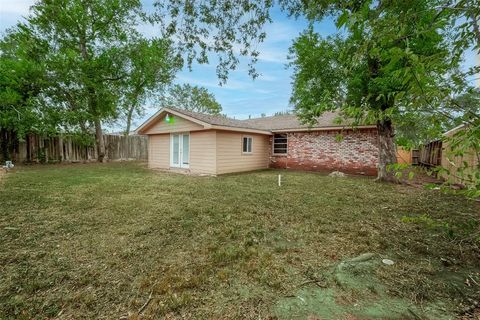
x=247, y=145
x=280, y=143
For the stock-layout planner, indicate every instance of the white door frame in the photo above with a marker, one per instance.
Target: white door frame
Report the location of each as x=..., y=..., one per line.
x=180, y=164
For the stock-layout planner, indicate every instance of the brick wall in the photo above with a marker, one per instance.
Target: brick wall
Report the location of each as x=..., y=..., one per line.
x=356, y=152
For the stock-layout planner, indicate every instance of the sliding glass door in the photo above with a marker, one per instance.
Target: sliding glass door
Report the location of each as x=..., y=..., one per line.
x=180, y=146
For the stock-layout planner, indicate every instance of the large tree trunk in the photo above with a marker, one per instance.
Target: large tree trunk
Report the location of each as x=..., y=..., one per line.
x=387, y=151
x=99, y=140
x=129, y=120
x=4, y=144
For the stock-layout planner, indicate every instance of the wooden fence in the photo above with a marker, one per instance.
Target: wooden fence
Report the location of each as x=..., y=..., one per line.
x=459, y=168
x=431, y=154
x=57, y=149
x=408, y=156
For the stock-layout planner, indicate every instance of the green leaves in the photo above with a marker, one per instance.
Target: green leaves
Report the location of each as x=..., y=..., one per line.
x=151, y=66
x=192, y=98
x=342, y=19
x=21, y=81
x=318, y=74
x=226, y=29
x=93, y=64
x=390, y=57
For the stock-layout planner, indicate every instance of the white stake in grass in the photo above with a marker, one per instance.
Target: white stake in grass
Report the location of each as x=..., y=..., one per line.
x=279, y=180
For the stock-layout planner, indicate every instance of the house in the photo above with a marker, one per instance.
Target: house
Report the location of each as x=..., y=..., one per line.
x=212, y=144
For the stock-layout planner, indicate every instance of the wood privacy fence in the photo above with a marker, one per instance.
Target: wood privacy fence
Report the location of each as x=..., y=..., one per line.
x=431, y=154
x=57, y=149
x=459, y=168
x=408, y=156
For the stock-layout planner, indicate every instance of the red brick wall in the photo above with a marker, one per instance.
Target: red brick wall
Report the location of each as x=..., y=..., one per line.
x=356, y=153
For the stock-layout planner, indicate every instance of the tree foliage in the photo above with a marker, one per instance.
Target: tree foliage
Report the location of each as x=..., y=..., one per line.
x=97, y=66
x=386, y=63
x=22, y=77
x=192, y=98
x=227, y=28
x=150, y=68
x=21, y=82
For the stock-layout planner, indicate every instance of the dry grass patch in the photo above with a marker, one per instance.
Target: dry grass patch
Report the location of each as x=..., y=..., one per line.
x=92, y=241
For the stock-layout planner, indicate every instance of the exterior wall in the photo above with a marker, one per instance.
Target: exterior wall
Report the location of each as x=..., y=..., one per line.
x=356, y=153
x=230, y=157
x=159, y=151
x=203, y=152
x=179, y=125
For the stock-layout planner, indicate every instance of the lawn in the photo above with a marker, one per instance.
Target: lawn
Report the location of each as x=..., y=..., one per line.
x=118, y=241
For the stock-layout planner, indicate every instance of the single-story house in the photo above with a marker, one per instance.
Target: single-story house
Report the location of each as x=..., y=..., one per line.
x=213, y=144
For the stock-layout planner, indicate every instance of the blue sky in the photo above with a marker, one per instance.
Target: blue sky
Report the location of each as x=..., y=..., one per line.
x=240, y=96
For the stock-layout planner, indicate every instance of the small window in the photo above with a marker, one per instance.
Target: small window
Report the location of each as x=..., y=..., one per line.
x=247, y=145
x=280, y=144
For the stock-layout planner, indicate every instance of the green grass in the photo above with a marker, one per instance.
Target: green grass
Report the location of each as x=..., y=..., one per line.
x=95, y=241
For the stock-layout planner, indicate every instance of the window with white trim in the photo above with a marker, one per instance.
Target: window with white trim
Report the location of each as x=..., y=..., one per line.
x=280, y=145
x=247, y=145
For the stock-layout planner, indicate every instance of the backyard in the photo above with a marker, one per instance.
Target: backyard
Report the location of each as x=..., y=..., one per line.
x=119, y=241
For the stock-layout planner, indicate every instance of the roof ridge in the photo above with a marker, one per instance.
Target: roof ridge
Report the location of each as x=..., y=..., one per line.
x=187, y=112
x=272, y=116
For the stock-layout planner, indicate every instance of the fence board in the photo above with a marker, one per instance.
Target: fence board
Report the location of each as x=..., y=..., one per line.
x=58, y=149
x=459, y=168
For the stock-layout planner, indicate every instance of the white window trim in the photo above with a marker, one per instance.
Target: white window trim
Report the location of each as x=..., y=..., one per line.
x=251, y=144
x=273, y=146
x=181, y=165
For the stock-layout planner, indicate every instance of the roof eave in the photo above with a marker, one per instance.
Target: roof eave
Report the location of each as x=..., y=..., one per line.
x=454, y=130
x=141, y=129
x=239, y=129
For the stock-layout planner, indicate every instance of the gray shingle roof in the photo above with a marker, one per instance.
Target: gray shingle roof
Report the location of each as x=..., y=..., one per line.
x=218, y=120
x=282, y=122
x=291, y=121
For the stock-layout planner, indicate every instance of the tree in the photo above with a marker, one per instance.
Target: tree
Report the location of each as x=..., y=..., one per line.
x=89, y=60
x=192, y=98
x=387, y=57
x=152, y=65
x=22, y=80
x=226, y=28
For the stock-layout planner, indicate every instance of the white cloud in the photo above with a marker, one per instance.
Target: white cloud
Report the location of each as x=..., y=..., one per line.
x=17, y=7
x=282, y=31
x=271, y=54
x=267, y=77
x=230, y=85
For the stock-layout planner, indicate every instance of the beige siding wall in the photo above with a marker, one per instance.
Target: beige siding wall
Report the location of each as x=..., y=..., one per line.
x=179, y=125
x=203, y=152
x=230, y=157
x=213, y=152
x=159, y=151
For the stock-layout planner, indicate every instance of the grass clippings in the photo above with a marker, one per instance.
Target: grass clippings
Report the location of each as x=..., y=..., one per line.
x=100, y=240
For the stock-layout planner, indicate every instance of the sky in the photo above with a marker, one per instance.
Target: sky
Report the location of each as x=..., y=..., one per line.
x=241, y=96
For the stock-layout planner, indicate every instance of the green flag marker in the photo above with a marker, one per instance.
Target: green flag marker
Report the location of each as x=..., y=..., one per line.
x=169, y=119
